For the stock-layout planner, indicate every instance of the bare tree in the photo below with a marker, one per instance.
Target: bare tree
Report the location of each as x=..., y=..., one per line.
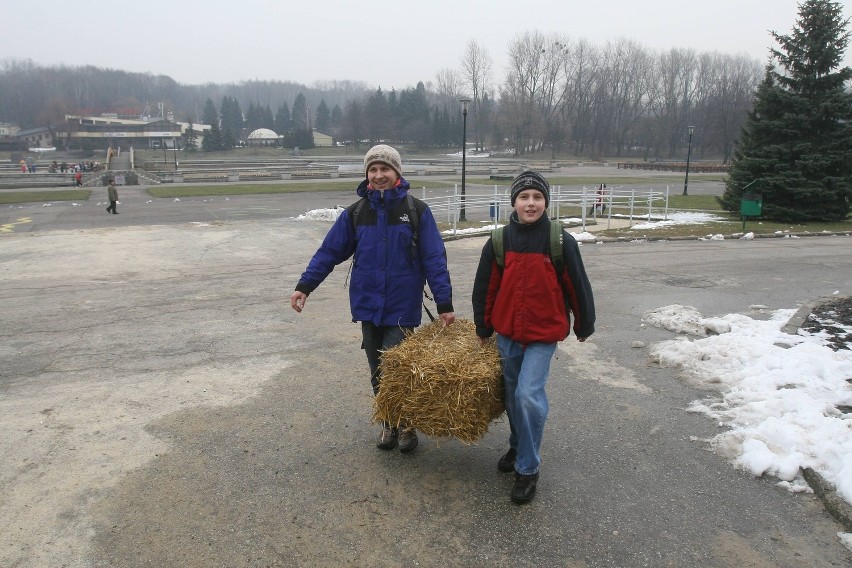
x=731, y=97
x=449, y=86
x=476, y=69
x=625, y=65
x=523, y=86
x=581, y=77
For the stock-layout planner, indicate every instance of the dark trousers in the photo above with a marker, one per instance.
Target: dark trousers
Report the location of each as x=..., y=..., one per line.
x=111, y=208
x=377, y=338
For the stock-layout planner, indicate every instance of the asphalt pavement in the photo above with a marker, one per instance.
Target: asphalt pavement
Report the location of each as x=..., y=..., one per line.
x=163, y=406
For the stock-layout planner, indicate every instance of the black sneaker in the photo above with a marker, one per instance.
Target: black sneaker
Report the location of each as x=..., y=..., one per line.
x=407, y=440
x=507, y=462
x=387, y=438
x=524, y=488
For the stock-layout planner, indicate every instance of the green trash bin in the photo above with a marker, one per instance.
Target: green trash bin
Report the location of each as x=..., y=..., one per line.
x=751, y=205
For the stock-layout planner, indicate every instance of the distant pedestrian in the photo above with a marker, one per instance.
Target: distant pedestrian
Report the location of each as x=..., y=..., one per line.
x=78, y=177
x=599, y=205
x=112, y=193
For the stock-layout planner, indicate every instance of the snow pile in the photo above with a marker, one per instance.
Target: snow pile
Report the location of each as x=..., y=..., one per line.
x=784, y=398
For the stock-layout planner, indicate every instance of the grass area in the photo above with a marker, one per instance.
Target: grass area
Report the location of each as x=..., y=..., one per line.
x=7, y=198
x=694, y=202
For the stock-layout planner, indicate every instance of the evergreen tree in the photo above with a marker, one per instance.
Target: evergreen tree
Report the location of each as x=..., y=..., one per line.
x=323, y=118
x=282, y=120
x=299, y=117
x=354, y=128
x=228, y=139
x=253, y=118
x=336, y=121
x=232, y=119
x=797, y=142
x=210, y=115
x=376, y=116
x=266, y=119
x=212, y=140
x=190, y=143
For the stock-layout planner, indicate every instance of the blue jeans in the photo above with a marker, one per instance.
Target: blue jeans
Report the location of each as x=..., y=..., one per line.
x=524, y=379
x=375, y=339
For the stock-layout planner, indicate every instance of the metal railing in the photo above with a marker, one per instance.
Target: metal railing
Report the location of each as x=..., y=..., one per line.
x=565, y=203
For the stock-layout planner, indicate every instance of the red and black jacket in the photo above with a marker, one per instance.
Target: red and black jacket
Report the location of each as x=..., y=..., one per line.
x=526, y=301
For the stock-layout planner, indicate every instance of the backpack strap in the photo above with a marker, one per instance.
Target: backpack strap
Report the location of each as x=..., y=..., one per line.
x=355, y=210
x=556, y=241
x=498, y=246
x=413, y=218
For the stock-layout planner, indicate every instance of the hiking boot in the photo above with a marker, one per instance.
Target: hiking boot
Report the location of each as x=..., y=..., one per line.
x=524, y=488
x=407, y=440
x=507, y=462
x=387, y=438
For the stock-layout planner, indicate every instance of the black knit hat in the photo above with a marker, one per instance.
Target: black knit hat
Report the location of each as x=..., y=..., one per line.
x=529, y=179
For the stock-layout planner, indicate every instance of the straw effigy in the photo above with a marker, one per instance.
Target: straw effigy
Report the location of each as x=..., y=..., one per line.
x=441, y=381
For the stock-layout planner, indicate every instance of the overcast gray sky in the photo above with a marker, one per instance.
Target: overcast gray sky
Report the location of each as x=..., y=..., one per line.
x=383, y=43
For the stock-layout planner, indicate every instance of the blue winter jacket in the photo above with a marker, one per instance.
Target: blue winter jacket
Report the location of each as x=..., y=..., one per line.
x=390, y=268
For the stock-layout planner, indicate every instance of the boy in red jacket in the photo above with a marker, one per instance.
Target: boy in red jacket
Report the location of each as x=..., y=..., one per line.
x=529, y=302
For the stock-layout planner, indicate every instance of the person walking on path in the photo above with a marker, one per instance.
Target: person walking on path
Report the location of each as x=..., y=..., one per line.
x=112, y=193
x=599, y=204
x=397, y=248
x=529, y=298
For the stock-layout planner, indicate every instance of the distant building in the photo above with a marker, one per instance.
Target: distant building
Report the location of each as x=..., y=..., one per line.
x=9, y=142
x=7, y=129
x=108, y=131
x=35, y=137
x=262, y=137
x=322, y=140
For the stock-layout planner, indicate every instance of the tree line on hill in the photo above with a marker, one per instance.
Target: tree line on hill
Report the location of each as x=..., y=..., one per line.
x=559, y=95
x=785, y=127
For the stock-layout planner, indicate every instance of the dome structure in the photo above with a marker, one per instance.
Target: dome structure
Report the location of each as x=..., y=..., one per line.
x=262, y=137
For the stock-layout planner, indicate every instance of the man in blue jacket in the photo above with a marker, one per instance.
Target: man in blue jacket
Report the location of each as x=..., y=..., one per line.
x=397, y=249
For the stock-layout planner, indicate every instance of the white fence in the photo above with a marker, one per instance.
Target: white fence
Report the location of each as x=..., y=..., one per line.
x=627, y=203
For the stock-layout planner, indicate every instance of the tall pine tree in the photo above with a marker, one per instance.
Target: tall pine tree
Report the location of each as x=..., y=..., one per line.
x=797, y=142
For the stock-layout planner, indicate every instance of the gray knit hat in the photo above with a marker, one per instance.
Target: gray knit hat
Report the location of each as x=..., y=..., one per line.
x=384, y=154
x=529, y=179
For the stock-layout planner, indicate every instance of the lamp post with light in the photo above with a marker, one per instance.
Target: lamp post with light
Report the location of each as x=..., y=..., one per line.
x=688, y=153
x=464, y=101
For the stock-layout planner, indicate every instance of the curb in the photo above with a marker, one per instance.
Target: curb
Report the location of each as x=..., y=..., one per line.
x=645, y=238
x=833, y=503
x=732, y=237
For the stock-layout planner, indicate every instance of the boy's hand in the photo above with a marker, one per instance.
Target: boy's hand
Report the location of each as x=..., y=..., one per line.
x=298, y=301
x=448, y=318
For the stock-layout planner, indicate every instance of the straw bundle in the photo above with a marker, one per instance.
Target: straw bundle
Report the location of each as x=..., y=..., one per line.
x=441, y=381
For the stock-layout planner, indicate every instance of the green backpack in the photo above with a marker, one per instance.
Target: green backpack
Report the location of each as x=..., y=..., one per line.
x=555, y=247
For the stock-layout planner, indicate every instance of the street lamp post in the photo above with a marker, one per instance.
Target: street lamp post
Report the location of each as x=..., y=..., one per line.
x=688, y=154
x=463, y=101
